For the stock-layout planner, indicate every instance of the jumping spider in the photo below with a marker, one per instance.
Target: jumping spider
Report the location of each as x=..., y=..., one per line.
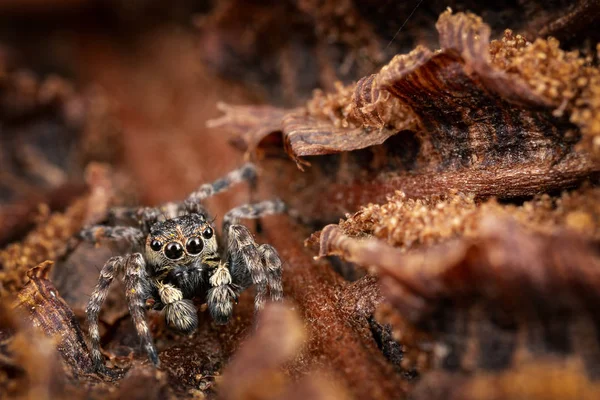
x=177, y=257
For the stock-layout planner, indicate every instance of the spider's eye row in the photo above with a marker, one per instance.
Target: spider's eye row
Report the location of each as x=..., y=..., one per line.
x=155, y=245
x=207, y=234
x=173, y=250
x=194, y=245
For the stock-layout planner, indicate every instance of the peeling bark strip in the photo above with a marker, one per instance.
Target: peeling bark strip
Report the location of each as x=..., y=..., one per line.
x=318, y=137
x=387, y=260
x=256, y=369
x=504, y=290
x=480, y=120
x=351, y=354
x=502, y=258
x=499, y=182
x=470, y=37
x=476, y=129
x=48, y=311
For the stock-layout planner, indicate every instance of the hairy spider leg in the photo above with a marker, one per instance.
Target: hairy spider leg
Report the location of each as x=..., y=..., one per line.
x=221, y=295
x=246, y=173
x=247, y=264
x=132, y=235
x=110, y=270
x=137, y=285
x=272, y=263
x=250, y=211
x=138, y=290
x=145, y=217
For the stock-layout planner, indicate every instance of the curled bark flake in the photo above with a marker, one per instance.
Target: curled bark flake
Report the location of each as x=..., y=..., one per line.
x=363, y=104
x=383, y=257
x=468, y=35
x=482, y=117
x=307, y=136
x=412, y=223
x=29, y=365
x=474, y=294
x=304, y=135
x=48, y=311
x=470, y=117
x=542, y=261
x=251, y=123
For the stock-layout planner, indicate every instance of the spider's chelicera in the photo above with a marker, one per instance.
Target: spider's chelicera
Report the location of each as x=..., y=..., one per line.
x=177, y=257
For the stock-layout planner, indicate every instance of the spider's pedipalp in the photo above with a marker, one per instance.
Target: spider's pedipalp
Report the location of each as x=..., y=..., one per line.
x=137, y=288
x=180, y=313
x=132, y=235
x=182, y=316
x=220, y=301
x=109, y=271
x=246, y=173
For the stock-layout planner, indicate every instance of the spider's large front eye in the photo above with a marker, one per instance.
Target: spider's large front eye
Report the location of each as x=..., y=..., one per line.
x=155, y=245
x=194, y=245
x=173, y=250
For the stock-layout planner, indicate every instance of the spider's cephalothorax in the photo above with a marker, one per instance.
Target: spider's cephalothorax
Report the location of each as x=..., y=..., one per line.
x=177, y=257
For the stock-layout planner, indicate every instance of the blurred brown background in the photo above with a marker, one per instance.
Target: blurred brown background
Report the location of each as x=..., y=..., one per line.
x=107, y=102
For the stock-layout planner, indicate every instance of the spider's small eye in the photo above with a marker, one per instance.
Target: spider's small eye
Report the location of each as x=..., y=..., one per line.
x=207, y=234
x=173, y=250
x=155, y=245
x=194, y=245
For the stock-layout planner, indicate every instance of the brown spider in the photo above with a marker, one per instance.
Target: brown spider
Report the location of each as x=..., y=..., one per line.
x=177, y=257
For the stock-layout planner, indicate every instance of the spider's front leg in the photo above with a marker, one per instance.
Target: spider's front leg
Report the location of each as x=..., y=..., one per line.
x=138, y=289
x=256, y=265
x=272, y=263
x=109, y=271
x=249, y=264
